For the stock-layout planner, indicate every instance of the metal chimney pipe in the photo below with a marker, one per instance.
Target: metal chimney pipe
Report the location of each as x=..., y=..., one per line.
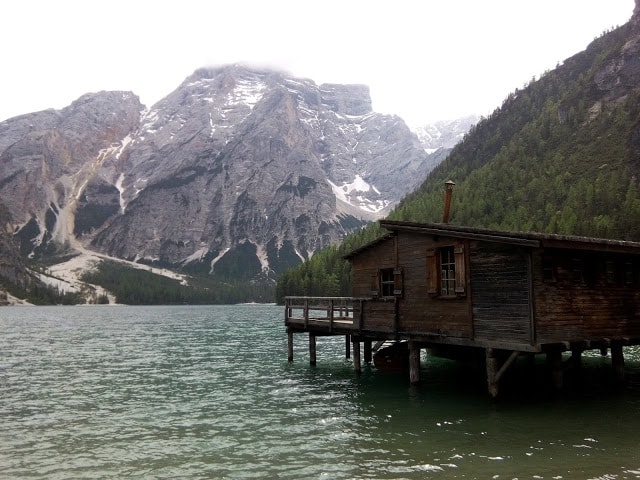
x=448, y=192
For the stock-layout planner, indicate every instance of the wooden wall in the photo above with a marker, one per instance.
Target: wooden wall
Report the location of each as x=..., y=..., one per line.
x=519, y=295
x=417, y=311
x=582, y=295
x=500, y=285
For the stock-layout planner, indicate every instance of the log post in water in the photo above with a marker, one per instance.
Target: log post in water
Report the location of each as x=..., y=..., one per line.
x=554, y=360
x=356, y=356
x=312, y=349
x=367, y=351
x=617, y=360
x=290, y=345
x=347, y=346
x=492, y=369
x=576, y=358
x=414, y=362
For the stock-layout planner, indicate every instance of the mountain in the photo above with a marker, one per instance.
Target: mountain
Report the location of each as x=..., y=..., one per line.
x=239, y=173
x=256, y=171
x=444, y=134
x=48, y=159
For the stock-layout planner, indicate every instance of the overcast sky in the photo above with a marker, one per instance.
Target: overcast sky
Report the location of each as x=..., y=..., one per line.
x=424, y=60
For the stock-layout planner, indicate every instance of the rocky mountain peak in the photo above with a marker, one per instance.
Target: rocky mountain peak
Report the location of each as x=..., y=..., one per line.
x=239, y=172
x=352, y=100
x=48, y=158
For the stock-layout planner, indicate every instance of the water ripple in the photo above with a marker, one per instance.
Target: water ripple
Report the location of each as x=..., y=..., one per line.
x=206, y=392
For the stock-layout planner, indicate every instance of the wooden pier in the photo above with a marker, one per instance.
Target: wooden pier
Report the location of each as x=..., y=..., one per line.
x=493, y=295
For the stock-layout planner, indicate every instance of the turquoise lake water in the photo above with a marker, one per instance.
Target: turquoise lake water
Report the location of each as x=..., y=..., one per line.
x=207, y=393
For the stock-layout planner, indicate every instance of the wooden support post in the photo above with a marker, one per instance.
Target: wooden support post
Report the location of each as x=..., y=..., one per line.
x=414, y=362
x=494, y=374
x=617, y=360
x=330, y=313
x=290, y=346
x=312, y=349
x=347, y=346
x=554, y=360
x=367, y=351
x=306, y=313
x=492, y=370
x=576, y=358
x=356, y=356
x=508, y=362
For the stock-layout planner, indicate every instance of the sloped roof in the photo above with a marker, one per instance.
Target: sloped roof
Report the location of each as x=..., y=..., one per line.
x=529, y=239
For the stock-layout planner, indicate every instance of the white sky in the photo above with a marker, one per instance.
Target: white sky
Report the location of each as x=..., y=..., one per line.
x=424, y=60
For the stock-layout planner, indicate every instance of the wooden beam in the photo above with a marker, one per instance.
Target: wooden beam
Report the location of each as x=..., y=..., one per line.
x=289, y=346
x=617, y=360
x=506, y=365
x=356, y=357
x=347, y=346
x=576, y=357
x=414, y=362
x=396, y=316
x=492, y=367
x=312, y=349
x=367, y=351
x=554, y=360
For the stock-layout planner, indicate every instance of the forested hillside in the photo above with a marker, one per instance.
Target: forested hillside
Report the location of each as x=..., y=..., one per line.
x=326, y=273
x=561, y=155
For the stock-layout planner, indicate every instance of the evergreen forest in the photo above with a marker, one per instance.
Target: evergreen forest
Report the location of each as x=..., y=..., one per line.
x=133, y=286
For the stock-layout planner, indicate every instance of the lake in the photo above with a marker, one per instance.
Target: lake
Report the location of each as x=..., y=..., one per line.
x=206, y=392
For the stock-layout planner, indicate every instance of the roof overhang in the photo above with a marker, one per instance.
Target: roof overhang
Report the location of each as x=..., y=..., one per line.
x=529, y=239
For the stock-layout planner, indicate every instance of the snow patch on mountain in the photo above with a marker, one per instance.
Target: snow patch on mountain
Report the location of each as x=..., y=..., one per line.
x=354, y=194
x=246, y=92
x=444, y=133
x=263, y=257
x=197, y=255
x=220, y=255
x=120, y=188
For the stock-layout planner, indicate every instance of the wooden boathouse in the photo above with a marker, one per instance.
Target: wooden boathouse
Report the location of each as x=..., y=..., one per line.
x=498, y=294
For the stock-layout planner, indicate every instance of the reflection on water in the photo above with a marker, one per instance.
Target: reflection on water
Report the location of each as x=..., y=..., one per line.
x=206, y=392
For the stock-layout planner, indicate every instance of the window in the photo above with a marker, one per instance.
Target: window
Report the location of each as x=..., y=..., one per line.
x=446, y=271
x=387, y=282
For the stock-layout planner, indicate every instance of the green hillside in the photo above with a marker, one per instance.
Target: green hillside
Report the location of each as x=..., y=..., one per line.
x=561, y=155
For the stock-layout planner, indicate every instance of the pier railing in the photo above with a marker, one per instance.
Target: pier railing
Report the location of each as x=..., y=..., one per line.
x=324, y=313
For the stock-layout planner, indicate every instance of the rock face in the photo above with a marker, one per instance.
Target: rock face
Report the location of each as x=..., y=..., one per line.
x=48, y=158
x=445, y=134
x=238, y=172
